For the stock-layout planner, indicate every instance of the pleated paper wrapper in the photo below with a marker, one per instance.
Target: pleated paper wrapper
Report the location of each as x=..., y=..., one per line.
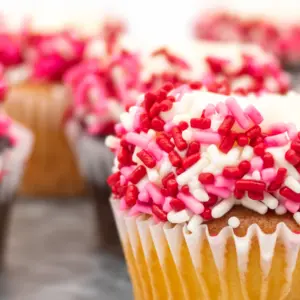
x=14, y=162
x=52, y=170
x=166, y=261
x=95, y=163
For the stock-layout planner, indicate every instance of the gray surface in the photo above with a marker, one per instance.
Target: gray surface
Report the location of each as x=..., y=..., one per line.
x=52, y=255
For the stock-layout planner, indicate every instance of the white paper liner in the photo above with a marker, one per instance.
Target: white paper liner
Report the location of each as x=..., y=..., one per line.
x=133, y=229
x=15, y=161
x=94, y=159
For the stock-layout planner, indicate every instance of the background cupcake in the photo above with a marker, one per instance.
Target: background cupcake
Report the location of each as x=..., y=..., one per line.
x=212, y=193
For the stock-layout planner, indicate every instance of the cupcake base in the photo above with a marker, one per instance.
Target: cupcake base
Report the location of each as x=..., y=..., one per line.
x=52, y=170
x=166, y=261
x=95, y=162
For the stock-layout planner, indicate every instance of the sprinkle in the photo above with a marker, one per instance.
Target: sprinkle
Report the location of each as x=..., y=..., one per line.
x=227, y=143
x=292, y=206
x=247, y=153
x=292, y=157
x=289, y=194
x=292, y=131
x=268, y=174
x=144, y=196
x=193, y=204
x=270, y=201
x=296, y=146
x=209, y=110
x=237, y=112
x=257, y=206
x=175, y=159
x=137, y=174
x=200, y=195
x=223, y=182
x=155, y=150
x=207, y=137
x=253, y=132
x=280, y=210
x=222, y=109
x=257, y=163
x=206, y=178
x=166, y=206
x=164, y=143
x=201, y=123
x=276, y=140
x=221, y=192
x=190, y=160
x=178, y=217
x=250, y=185
x=222, y=208
x=293, y=184
x=137, y=140
x=194, y=223
x=146, y=158
x=155, y=193
x=296, y=217
x=159, y=213
x=256, y=175
x=206, y=214
x=131, y=195
x=176, y=204
x=234, y=222
x=254, y=114
x=268, y=160
x=180, y=143
x=226, y=125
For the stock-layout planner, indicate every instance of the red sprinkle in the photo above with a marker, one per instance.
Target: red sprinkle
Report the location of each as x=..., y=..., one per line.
x=177, y=204
x=131, y=195
x=166, y=105
x=113, y=178
x=144, y=122
x=259, y=149
x=206, y=178
x=256, y=195
x=147, y=158
x=196, y=85
x=164, y=143
x=180, y=143
x=137, y=174
x=190, y=160
x=175, y=159
x=201, y=123
x=157, y=124
x=226, y=125
x=172, y=187
x=159, y=213
x=242, y=140
x=155, y=110
x=250, y=185
x=232, y=173
x=206, y=214
x=165, y=179
x=168, y=86
x=289, y=194
x=238, y=194
x=185, y=189
x=296, y=146
x=179, y=171
x=212, y=200
x=194, y=147
x=268, y=160
x=292, y=157
x=150, y=98
x=227, y=143
x=124, y=156
x=183, y=125
x=253, y=132
x=244, y=167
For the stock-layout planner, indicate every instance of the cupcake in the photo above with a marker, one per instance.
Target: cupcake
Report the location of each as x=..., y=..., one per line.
x=273, y=26
x=206, y=195
x=38, y=100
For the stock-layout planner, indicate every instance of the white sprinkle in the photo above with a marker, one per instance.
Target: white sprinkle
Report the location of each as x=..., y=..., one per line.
x=257, y=206
x=233, y=156
x=280, y=210
x=178, y=217
x=222, y=208
x=213, y=152
x=183, y=117
x=153, y=175
x=200, y=195
x=256, y=175
x=194, y=183
x=293, y=184
x=187, y=135
x=165, y=167
x=247, y=153
x=151, y=133
x=270, y=201
x=297, y=217
x=184, y=178
x=234, y=222
x=194, y=223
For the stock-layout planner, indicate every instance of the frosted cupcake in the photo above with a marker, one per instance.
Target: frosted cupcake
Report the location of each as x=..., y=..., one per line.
x=273, y=26
x=206, y=193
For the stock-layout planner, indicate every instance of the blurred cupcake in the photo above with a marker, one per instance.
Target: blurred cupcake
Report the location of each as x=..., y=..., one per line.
x=38, y=100
x=15, y=147
x=206, y=195
x=273, y=26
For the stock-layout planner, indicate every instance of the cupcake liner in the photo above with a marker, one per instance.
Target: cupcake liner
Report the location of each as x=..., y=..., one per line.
x=52, y=170
x=95, y=163
x=13, y=164
x=166, y=259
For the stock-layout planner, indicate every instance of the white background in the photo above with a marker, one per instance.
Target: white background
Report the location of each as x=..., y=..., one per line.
x=152, y=19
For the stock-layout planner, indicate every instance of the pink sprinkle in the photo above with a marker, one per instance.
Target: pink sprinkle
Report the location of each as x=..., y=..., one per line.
x=276, y=140
x=221, y=181
x=126, y=171
x=119, y=129
x=237, y=112
x=180, y=91
x=144, y=196
x=268, y=174
x=292, y=130
x=137, y=140
x=256, y=163
x=155, y=150
x=168, y=126
x=209, y=110
x=192, y=203
x=222, y=109
x=136, y=122
x=155, y=193
x=123, y=180
x=167, y=207
x=254, y=114
x=218, y=191
x=207, y=137
x=277, y=128
x=123, y=205
x=292, y=206
x=140, y=208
